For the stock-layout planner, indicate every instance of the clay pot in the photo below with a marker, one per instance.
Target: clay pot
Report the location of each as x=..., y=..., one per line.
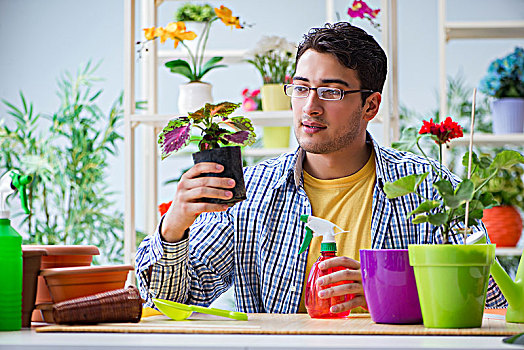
x=60, y=256
x=74, y=282
x=504, y=225
x=31, y=269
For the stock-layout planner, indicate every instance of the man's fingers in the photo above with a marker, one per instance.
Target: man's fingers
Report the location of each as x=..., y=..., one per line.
x=202, y=168
x=208, y=181
x=340, y=261
x=357, y=301
x=349, y=288
x=339, y=276
x=198, y=193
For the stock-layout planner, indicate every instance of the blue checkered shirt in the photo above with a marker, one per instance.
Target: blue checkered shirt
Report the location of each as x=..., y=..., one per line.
x=254, y=244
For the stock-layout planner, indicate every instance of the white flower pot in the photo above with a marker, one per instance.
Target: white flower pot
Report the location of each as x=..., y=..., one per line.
x=508, y=115
x=193, y=96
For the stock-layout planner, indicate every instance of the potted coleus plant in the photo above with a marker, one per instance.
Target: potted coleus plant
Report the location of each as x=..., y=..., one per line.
x=218, y=128
x=451, y=278
x=505, y=83
x=194, y=94
x=274, y=58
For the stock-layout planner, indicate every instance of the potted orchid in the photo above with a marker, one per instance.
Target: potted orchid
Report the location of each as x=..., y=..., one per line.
x=505, y=83
x=274, y=59
x=218, y=129
x=195, y=93
x=451, y=279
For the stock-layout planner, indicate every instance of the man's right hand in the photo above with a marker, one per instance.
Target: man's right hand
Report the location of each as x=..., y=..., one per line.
x=187, y=205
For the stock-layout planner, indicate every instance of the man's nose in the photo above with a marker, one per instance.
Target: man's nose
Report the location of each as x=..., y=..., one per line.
x=313, y=104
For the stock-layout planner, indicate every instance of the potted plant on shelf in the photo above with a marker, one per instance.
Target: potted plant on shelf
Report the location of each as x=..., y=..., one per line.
x=196, y=93
x=503, y=221
x=451, y=279
x=218, y=128
x=274, y=58
x=505, y=83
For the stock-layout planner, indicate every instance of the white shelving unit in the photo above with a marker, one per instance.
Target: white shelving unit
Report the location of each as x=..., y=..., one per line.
x=151, y=122
x=474, y=30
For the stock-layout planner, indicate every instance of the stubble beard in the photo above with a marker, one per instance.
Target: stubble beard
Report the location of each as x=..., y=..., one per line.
x=340, y=141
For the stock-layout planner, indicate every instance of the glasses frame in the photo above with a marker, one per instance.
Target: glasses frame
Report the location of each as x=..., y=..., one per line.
x=344, y=92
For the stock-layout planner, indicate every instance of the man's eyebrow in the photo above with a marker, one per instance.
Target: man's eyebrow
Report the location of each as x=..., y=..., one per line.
x=324, y=81
x=300, y=78
x=335, y=81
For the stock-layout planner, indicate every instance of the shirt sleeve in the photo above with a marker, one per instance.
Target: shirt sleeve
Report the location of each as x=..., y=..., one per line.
x=195, y=270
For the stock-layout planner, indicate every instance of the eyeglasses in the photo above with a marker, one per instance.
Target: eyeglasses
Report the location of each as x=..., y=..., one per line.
x=324, y=93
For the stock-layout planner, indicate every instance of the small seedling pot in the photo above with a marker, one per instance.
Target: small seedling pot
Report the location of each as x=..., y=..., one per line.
x=32, y=260
x=231, y=159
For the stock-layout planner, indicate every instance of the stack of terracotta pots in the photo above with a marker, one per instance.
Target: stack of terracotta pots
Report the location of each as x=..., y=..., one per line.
x=53, y=273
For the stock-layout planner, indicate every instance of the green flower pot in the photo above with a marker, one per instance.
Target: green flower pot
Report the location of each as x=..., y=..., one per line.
x=452, y=281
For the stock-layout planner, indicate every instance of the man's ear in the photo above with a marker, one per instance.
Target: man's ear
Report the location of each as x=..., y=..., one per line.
x=371, y=106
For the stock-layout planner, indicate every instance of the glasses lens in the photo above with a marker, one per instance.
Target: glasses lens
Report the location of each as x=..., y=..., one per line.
x=329, y=93
x=297, y=91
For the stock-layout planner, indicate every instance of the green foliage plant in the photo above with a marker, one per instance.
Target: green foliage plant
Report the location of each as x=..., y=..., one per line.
x=67, y=153
x=505, y=76
x=194, y=12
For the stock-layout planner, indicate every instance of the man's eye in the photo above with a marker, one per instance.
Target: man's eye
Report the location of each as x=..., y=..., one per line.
x=300, y=89
x=331, y=93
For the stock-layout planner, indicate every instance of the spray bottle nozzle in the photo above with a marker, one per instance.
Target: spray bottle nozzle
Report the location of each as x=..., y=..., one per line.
x=319, y=227
x=20, y=182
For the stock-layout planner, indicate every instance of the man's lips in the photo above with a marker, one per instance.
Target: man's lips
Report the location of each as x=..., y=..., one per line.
x=311, y=126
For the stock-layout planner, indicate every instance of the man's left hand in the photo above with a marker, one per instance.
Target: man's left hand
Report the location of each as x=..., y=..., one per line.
x=351, y=273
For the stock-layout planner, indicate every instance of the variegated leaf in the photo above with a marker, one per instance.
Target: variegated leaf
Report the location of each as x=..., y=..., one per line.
x=174, y=136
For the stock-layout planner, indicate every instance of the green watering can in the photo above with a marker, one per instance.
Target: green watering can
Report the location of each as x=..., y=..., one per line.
x=512, y=290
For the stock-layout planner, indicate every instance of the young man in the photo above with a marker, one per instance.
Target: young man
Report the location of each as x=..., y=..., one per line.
x=337, y=173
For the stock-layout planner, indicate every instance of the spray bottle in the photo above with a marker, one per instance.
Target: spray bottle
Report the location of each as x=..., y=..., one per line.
x=11, y=254
x=317, y=307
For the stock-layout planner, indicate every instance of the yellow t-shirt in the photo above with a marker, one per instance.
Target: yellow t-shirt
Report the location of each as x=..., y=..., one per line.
x=346, y=202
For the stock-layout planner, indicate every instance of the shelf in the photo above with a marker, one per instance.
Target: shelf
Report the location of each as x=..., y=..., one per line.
x=230, y=56
x=484, y=30
x=508, y=251
x=490, y=140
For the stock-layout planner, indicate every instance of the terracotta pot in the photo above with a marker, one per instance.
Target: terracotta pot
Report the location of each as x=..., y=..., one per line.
x=73, y=282
x=504, y=225
x=60, y=256
x=31, y=269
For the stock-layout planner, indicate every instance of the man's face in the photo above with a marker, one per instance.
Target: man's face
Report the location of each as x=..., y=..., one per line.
x=323, y=127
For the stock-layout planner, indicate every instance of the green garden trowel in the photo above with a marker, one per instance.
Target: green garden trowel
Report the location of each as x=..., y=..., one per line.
x=179, y=312
x=512, y=290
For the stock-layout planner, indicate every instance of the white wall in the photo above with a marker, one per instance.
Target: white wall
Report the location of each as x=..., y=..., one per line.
x=41, y=39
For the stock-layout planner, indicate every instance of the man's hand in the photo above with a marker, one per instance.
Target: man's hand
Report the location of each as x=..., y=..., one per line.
x=351, y=273
x=186, y=205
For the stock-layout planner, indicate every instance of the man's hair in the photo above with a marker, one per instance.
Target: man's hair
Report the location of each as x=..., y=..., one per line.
x=353, y=48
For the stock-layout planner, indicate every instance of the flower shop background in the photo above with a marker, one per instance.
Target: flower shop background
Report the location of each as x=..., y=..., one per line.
x=42, y=39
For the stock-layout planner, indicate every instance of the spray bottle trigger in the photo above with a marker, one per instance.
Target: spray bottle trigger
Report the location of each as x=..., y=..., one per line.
x=307, y=240
x=20, y=182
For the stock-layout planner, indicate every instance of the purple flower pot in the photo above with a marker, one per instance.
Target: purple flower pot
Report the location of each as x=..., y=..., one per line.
x=389, y=286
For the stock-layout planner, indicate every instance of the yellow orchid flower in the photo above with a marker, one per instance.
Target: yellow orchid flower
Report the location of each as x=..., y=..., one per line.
x=226, y=16
x=149, y=33
x=177, y=32
x=161, y=33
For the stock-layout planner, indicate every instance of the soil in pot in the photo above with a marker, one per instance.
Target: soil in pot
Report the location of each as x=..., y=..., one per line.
x=231, y=159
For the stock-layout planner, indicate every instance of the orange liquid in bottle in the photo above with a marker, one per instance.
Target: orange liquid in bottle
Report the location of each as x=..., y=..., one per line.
x=317, y=307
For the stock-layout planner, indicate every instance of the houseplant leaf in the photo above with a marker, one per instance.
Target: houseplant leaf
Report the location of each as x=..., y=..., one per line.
x=408, y=139
x=506, y=159
x=403, y=186
x=425, y=206
x=174, y=136
x=181, y=67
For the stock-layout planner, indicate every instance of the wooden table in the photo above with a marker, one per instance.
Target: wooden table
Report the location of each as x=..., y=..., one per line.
x=261, y=331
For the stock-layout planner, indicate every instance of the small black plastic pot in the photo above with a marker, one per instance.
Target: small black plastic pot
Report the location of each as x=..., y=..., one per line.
x=231, y=159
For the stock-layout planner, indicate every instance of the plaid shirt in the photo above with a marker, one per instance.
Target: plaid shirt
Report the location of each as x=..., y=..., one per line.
x=254, y=244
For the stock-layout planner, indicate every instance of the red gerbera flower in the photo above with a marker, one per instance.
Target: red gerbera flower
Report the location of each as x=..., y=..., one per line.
x=442, y=132
x=164, y=207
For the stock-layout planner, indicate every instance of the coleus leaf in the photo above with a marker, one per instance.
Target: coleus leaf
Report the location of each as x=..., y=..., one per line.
x=241, y=138
x=222, y=109
x=240, y=123
x=174, y=136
